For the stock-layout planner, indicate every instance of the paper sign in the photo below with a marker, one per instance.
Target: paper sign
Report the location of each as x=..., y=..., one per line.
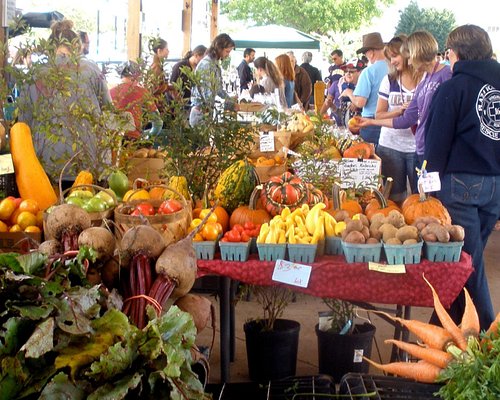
x=430, y=182
x=266, y=141
x=6, y=165
x=355, y=173
x=358, y=356
x=291, y=273
x=388, y=269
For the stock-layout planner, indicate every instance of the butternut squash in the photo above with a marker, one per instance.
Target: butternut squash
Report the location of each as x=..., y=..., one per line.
x=32, y=181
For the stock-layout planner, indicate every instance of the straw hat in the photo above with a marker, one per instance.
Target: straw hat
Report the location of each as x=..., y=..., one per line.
x=371, y=41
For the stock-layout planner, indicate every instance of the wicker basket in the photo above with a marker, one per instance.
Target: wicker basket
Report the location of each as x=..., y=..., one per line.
x=173, y=227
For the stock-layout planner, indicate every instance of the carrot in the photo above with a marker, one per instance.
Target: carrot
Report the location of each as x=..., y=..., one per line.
x=436, y=357
x=421, y=371
x=446, y=320
x=432, y=335
x=494, y=329
x=470, y=320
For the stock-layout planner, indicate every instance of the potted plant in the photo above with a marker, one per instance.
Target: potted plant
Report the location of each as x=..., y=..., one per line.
x=341, y=342
x=271, y=342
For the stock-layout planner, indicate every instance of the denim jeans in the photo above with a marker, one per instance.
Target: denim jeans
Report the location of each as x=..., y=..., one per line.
x=399, y=166
x=473, y=201
x=371, y=134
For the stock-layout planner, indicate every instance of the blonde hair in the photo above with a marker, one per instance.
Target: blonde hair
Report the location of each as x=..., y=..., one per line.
x=398, y=46
x=284, y=64
x=422, y=48
x=64, y=35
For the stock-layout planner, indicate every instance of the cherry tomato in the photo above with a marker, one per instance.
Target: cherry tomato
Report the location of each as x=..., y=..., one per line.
x=169, y=206
x=238, y=228
x=210, y=231
x=245, y=237
x=249, y=225
x=234, y=236
x=143, y=209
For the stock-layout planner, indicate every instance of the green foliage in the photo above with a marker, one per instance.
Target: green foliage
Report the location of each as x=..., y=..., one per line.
x=439, y=23
x=340, y=312
x=314, y=16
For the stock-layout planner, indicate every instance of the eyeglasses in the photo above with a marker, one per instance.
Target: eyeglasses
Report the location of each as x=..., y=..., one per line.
x=351, y=71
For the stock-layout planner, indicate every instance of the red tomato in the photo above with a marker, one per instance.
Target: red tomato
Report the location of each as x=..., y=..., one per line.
x=249, y=225
x=224, y=239
x=169, y=206
x=245, y=237
x=238, y=228
x=234, y=236
x=143, y=209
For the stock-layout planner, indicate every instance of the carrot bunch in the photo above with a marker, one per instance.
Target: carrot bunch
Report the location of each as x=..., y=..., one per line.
x=442, y=346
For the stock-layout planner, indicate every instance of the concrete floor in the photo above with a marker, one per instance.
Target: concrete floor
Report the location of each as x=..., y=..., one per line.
x=305, y=310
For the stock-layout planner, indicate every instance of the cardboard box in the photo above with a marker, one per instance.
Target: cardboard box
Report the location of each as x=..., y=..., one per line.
x=252, y=107
x=150, y=169
x=19, y=242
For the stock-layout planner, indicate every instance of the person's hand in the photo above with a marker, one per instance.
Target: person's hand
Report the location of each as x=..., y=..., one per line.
x=346, y=93
x=353, y=108
x=364, y=122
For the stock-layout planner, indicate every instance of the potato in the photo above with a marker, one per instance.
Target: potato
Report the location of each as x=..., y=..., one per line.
x=377, y=218
x=429, y=237
x=372, y=240
x=388, y=231
x=395, y=218
x=407, y=232
x=341, y=215
x=363, y=218
x=374, y=232
x=438, y=230
x=393, y=241
x=457, y=233
x=354, y=225
x=355, y=237
x=410, y=241
x=366, y=232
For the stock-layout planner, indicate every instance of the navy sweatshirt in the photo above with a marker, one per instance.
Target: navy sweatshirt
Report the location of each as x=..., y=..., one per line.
x=463, y=128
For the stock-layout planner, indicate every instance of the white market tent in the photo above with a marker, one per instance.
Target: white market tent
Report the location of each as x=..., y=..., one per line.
x=274, y=37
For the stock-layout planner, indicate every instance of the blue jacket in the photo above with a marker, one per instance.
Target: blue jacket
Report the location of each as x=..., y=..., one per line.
x=463, y=127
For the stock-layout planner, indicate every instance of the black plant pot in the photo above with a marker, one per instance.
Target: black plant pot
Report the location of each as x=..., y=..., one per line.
x=340, y=354
x=272, y=354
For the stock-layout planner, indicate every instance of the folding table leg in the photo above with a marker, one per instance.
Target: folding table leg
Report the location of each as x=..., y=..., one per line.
x=225, y=329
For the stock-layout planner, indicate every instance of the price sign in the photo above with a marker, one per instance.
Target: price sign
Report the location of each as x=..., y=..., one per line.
x=354, y=173
x=266, y=140
x=292, y=273
x=430, y=182
x=6, y=165
x=388, y=269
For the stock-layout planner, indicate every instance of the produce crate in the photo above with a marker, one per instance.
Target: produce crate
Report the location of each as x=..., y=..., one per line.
x=19, y=242
x=361, y=252
x=205, y=250
x=353, y=385
x=271, y=252
x=302, y=253
x=403, y=253
x=297, y=388
x=448, y=252
x=234, y=251
x=333, y=245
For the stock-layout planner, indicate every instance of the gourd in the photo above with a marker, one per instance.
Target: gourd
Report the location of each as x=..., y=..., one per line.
x=285, y=190
x=83, y=178
x=235, y=185
x=32, y=181
x=359, y=150
x=340, y=202
x=249, y=213
x=381, y=204
x=315, y=195
x=421, y=205
x=179, y=184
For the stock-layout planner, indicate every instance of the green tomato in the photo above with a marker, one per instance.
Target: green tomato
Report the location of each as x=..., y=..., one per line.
x=83, y=194
x=95, y=205
x=106, y=197
x=77, y=201
x=118, y=183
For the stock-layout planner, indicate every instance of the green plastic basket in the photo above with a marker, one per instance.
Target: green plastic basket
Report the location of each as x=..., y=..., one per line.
x=271, y=252
x=403, y=253
x=302, y=253
x=333, y=245
x=205, y=250
x=448, y=252
x=361, y=252
x=234, y=251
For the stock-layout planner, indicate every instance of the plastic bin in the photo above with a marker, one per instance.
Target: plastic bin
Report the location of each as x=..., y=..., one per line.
x=205, y=250
x=448, y=252
x=333, y=245
x=361, y=252
x=302, y=253
x=403, y=253
x=234, y=251
x=271, y=252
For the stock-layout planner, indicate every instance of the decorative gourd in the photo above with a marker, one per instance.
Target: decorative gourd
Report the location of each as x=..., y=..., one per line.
x=32, y=181
x=249, y=213
x=344, y=143
x=83, y=178
x=315, y=195
x=179, y=184
x=340, y=202
x=421, y=205
x=359, y=150
x=235, y=185
x=285, y=190
x=381, y=204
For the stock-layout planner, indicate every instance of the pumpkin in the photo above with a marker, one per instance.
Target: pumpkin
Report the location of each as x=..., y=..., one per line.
x=341, y=202
x=380, y=205
x=421, y=205
x=235, y=185
x=250, y=213
x=285, y=190
x=359, y=150
x=32, y=181
x=315, y=195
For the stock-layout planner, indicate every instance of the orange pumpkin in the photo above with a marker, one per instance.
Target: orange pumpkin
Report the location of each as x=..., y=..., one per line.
x=380, y=205
x=250, y=213
x=341, y=202
x=421, y=205
x=359, y=150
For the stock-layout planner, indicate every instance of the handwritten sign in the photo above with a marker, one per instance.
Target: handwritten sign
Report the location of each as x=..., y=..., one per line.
x=291, y=273
x=6, y=165
x=354, y=173
x=430, y=182
x=266, y=141
x=388, y=269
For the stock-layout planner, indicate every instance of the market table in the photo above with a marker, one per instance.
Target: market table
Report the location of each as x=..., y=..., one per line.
x=333, y=277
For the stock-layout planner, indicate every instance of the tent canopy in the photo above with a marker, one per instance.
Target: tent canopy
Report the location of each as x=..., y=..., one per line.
x=274, y=37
